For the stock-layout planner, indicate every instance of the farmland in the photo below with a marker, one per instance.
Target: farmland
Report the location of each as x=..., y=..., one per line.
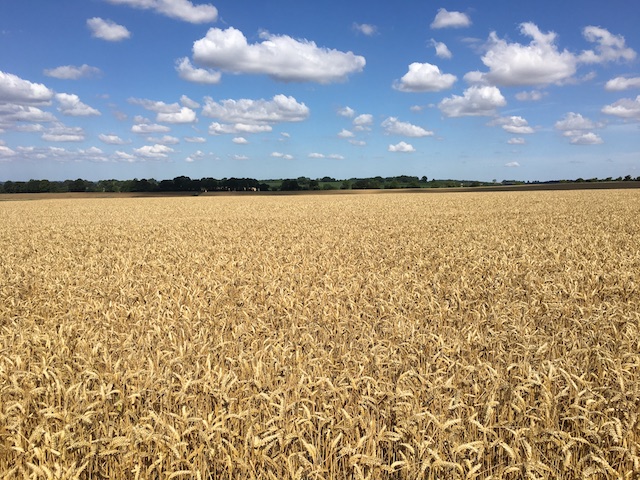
x=401, y=336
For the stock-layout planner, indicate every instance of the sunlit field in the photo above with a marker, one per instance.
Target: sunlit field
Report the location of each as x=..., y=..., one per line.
x=390, y=336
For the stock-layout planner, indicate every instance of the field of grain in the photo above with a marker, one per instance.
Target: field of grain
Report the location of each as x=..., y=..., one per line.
x=395, y=336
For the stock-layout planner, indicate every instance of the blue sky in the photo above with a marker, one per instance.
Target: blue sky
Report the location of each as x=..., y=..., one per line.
x=124, y=89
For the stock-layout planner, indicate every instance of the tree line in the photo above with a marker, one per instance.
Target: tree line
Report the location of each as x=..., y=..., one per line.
x=208, y=184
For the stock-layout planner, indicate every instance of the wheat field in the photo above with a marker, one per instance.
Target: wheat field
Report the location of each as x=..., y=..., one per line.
x=374, y=336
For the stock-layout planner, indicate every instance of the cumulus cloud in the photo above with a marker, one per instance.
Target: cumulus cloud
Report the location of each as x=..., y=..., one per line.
x=164, y=140
x=14, y=89
x=514, y=124
x=124, y=156
x=357, y=143
x=195, y=139
x=446, y=19
x=516, y=141
x=279, y=109
x=178, y=9
x=424, y=77
x=610, y=47
x=10, y=113
x=346, y=112
x=146, y=128
x=401, y=147
x=107, y=30
x=622, y=83
x=62, y=133
x=512, y=164
x=538, y=63
x=316, y=155
x=365, y=28
x=153, y=151
x=344, y=133
x=624, y=108
x=240, y=141
x=195, y=156
x=112, y=139
x=71, y=105
x=475, y=101
x=217, y=128
x=530, y=96
x=184, y=115
x=588, y=138
x=393, y=126
x=278, y=56
x=576, y=128
x=284, y=156
x=71, y=72
x=188, y=72
x=187, y=102
x=442, y=51
x=363, y=122
x=333, y=156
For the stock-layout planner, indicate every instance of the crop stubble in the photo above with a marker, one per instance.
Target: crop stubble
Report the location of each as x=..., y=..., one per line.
x=404, y=336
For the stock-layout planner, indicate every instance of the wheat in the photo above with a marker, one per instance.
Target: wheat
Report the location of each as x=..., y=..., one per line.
x=404, y=336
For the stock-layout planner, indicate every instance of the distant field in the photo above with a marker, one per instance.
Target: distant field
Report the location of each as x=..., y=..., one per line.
x=461, y=335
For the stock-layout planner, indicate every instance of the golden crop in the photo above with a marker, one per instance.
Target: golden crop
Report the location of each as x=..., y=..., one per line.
x=387, y=336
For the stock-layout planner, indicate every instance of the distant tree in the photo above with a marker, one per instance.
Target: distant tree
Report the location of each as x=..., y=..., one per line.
x=289, y=185
x=327, y=179
x=424, y=179
x=345, y=185
x=627, y=178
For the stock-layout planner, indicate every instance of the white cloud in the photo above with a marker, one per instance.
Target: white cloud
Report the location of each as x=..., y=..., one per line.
x=344, y=133
x=195, y=156
x=240, y=141
x=624, y=108
x=240, y=157
x=188, y=72
x=424, y=77
x=184, y=115
x=285, y=135
x=284, y=156
x=588, y=138
x=71, y=72
x=622, y=83
x=531, y=96
x=155, y=106
x=365, y=28
x=178, y=9
x=476, y=101
x=256, y=112
x=512, y=164
x=363, y=122
x=11, y=113
x=393, y=126
x=402, y=147
x=195, y=139
x=539, y=63
x=574, y=121
x=445, y=19
x=124, y=156
x=346, y=112
x=61, y=133
x=279, y=56
x=516, y=141
x=335, y=156
x=71, y=105
x=514, y=124
x=610, y=47
x=316, y=155
x=442, y=51
x=153, y=151
x=357, y=143
x=187, y=102
x=107, y=30
x=14, y=89
x=221, y=128
x=575, y=127
x=145, y=128
x=164, y=140
x=112, y=139
x=6, y=152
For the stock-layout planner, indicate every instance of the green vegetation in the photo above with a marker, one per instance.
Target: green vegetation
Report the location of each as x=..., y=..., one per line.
x=186, y=184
